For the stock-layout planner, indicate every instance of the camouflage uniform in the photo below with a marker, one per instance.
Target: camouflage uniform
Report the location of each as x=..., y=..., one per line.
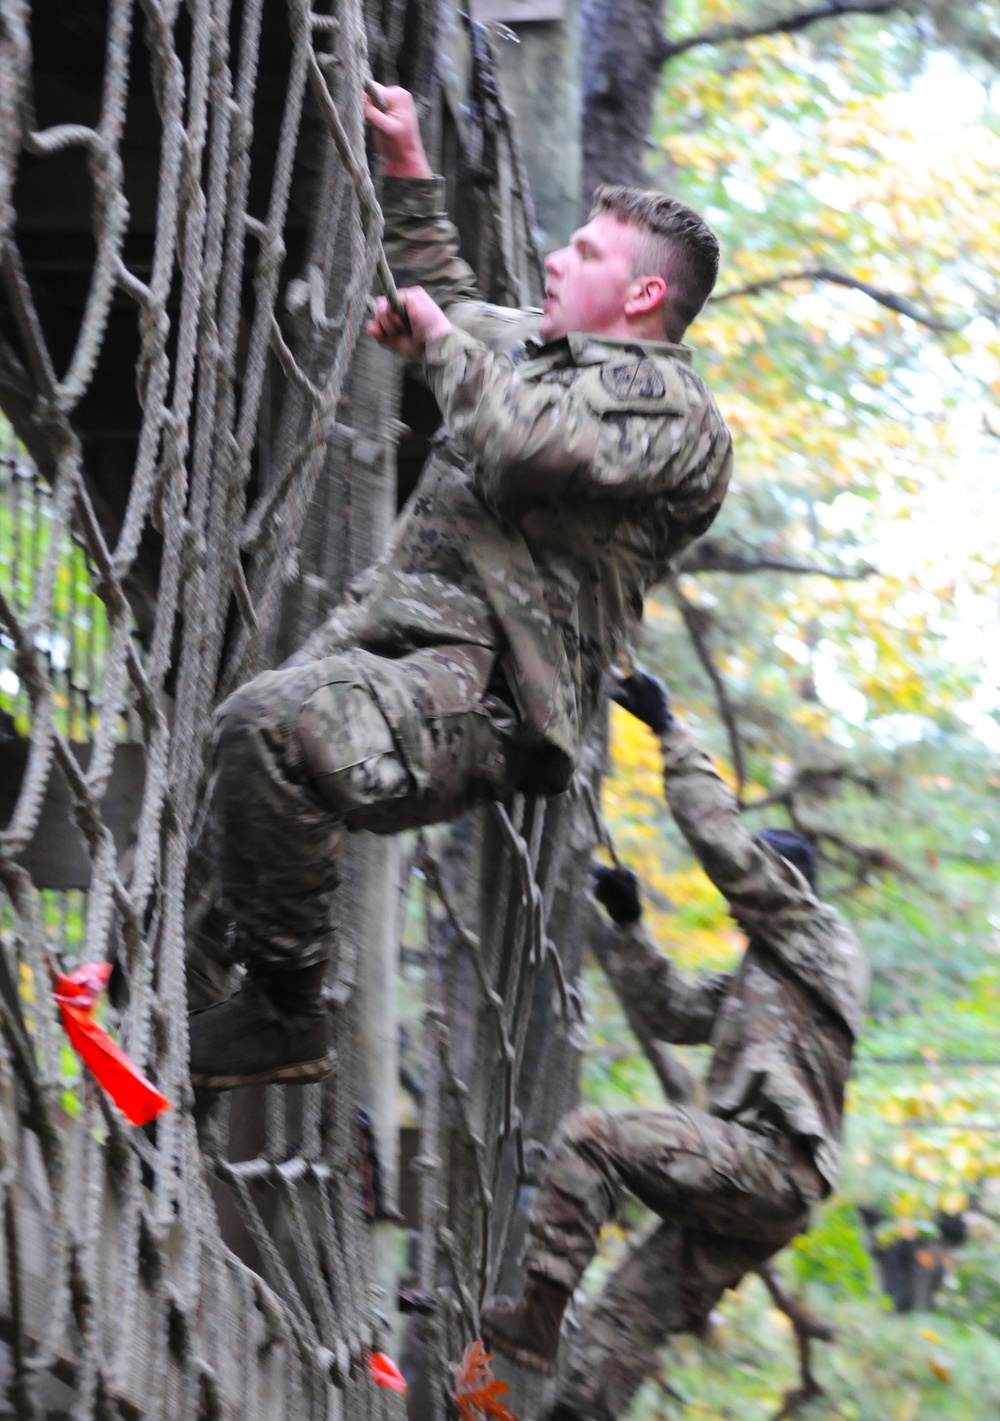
x=733, y=1183
x=466, y=662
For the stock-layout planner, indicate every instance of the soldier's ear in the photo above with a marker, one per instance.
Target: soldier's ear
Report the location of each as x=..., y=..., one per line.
x=645, y=294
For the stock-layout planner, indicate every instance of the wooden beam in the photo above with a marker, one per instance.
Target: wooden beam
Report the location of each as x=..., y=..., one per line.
x=57, y=855
x=513, y=12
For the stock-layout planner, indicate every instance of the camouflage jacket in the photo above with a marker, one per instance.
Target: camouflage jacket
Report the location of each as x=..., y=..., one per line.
x=566, y=478
x=783, y=1025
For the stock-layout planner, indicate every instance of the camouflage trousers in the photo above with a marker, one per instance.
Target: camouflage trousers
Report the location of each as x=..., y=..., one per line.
x=729, y=1197
x=350, y=741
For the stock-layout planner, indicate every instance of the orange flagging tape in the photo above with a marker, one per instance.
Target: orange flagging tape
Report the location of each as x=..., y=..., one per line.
x=136, y=1097
x=385, y=1371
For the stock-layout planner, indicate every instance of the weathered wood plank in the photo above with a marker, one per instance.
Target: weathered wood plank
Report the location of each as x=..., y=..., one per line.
x=518, y=11
x=57, y=855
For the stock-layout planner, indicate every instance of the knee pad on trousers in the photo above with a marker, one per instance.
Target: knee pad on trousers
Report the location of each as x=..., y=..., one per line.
x=349, y=750
x=320, y=726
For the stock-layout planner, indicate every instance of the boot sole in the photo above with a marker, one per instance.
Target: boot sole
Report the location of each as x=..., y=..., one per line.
x=301, y=1073
x=531, y=1360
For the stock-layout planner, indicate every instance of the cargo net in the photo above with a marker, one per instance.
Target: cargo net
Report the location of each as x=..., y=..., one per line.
x=223, y=1266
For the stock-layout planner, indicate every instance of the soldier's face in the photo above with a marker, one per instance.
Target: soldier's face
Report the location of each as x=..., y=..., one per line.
x=588, y=282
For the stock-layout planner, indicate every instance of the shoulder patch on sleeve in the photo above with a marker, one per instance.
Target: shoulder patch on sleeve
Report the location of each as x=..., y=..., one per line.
x=635, y=381
x=645, y=386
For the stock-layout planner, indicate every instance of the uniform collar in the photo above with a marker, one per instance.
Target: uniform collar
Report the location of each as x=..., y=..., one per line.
x=595, y=350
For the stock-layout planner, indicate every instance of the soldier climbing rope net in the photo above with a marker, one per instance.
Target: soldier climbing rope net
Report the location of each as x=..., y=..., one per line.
x=228, y=1271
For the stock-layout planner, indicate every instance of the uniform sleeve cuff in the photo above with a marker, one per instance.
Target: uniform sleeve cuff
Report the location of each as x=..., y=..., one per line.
x=413, y=197
x=439, y=350
x=443, y=364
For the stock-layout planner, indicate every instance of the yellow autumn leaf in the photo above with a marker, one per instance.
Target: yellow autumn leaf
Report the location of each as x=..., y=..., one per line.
x=26, y=982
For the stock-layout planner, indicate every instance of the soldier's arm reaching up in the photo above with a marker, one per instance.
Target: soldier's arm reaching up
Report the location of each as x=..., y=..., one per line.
x=766, y=881
x=392, y=115
x=669, y=1005
x=421, y=243
x=754, y=879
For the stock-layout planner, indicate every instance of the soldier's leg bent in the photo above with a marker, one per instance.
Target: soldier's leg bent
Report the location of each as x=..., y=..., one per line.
x=623, y=1329
x=686, y=1165
x=692, y=1168
x=301, y=754
x=573, y=1201
x=425, y=739
x=669, y=1284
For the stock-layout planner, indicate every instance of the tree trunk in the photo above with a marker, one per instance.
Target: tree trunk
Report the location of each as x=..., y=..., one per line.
x=622, y=58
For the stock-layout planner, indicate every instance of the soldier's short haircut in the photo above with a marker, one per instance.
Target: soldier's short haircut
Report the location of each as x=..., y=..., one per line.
x=676, y=243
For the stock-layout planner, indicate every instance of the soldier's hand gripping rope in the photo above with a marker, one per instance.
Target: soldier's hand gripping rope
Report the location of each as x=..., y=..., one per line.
x=617, y=890
x=644, y=697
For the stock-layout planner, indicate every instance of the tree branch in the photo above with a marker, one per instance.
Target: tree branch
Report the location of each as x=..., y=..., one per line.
x=866, y=856
x=784, y=24
x=695, y=621
x=814, y=780
x=817, y=781
x=807, y=1327
x=899, y=304
x=713, y=555
x=802, y=1318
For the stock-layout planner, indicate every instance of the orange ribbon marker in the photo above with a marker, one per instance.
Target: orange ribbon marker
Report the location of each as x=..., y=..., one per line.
x=136, y=1097
x=385, y=1371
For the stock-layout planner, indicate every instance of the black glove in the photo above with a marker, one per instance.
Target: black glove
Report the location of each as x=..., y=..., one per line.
x=644, y=697
x=618, y=890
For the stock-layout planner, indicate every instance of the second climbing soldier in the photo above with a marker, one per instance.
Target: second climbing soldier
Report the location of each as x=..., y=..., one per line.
x=735, y=1182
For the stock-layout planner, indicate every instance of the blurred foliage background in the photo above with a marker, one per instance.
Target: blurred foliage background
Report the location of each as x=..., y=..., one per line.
x=845, y=669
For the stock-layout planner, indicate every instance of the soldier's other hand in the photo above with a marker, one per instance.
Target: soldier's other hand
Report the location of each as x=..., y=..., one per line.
x=392, y=115
x=644, y=697
x=618, y=890
x=427, y=321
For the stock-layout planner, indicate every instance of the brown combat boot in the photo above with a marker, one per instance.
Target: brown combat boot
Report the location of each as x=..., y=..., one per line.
x=528, y=1331
x=275, y=1028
